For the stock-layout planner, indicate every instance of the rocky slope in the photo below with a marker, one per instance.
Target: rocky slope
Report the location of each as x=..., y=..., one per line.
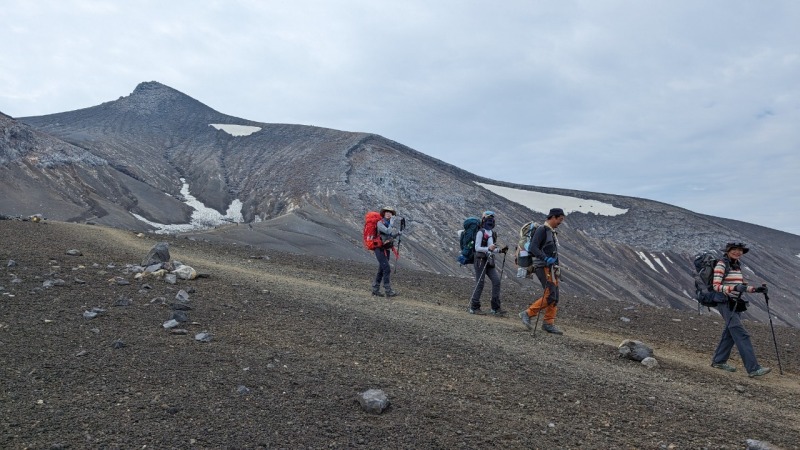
x=296, y=338
x=306, y=189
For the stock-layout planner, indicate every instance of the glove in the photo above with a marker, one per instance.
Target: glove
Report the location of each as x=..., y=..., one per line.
x=504, y=249
x=740, y=288
x=762, y=289
x=550, y=261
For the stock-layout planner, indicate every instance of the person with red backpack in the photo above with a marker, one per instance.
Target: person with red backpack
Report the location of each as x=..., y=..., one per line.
x=486, y=246
x=387, y=232
x=729, y=285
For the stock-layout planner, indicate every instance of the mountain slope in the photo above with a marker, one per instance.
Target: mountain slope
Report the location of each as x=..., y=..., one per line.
x=293, y=343
x=325, y=180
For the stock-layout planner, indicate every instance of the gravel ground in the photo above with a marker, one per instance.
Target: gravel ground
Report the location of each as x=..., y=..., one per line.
x=295, y=339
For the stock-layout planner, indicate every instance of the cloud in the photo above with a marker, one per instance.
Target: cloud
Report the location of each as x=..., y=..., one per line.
x=667, y=101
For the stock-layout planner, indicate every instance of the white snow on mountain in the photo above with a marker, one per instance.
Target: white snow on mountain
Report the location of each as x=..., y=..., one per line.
x=646, y=260
x=541, y=202
x=203, y=217
x=235, y=130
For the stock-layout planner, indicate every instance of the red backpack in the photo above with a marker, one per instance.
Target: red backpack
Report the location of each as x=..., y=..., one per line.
x=372, y=239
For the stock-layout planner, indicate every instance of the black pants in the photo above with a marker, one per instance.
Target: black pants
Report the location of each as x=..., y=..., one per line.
x=491, y=272
x=384, y=269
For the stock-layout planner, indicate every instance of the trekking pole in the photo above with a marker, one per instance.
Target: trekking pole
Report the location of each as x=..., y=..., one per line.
x=503, y=266
x=399, y=240
x=478, y=281
x=774, y=341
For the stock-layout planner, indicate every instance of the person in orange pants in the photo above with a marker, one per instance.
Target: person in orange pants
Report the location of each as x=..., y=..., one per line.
x=544, y=248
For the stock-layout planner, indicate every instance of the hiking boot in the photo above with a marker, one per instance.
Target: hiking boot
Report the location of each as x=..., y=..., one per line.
x=390, y=292
x=498, y=312
x=476, y=311
x=724, y=366
x=550, y=328
x=376, y=291
x=526, y=319
x=759, y=372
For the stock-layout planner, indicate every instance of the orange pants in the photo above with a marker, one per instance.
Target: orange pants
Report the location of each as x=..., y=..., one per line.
x=549, y=299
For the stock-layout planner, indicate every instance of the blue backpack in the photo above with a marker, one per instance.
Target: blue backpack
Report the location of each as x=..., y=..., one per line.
x=467, y=240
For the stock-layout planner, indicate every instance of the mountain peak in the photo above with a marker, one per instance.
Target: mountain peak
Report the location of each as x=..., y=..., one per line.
x=152, y=97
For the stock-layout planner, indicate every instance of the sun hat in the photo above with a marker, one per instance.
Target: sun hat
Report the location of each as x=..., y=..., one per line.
x=732, y=245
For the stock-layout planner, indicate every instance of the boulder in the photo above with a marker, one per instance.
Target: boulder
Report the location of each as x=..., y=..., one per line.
x=159, y=254
x=635, y=350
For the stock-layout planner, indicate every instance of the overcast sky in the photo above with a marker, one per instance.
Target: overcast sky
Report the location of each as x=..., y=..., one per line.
x=696, y=104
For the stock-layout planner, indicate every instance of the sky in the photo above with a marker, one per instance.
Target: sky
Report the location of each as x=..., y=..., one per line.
x=695, y=104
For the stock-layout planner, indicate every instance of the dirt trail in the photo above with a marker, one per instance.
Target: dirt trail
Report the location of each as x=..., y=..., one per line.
x=303, y=336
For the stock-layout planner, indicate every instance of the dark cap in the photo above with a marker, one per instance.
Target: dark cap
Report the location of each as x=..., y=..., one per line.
x=732, y=245
x=555, y=212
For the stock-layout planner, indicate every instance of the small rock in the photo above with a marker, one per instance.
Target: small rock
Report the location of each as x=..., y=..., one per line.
x=180, y=316
x=624, y=319
x=74, y=252
x=182, y=296
x=241, y=390
x=119, y=343
x=122, y=301
x=179, y=331
x=171, y=323
x=180, y=307
x=650, y=362
x=753, y=444
x=373, y=401
x=56, y=282
x=740, y=389
x=11, y=263
x=171, y=278
x=203, y=336
x=79, y=281
x=81, y=353
x=89, y=314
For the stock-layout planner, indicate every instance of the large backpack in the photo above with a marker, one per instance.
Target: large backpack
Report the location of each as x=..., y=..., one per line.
x=704, y=263
x=372, y=239
x=466, y=238
x=524, y=258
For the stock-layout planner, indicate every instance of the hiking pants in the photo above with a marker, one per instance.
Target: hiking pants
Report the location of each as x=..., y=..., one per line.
x=734, y=333
x=491, y=272
x=549, y=298
x=384, y=269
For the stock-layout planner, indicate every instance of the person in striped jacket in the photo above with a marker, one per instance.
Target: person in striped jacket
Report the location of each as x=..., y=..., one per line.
x=729, y=286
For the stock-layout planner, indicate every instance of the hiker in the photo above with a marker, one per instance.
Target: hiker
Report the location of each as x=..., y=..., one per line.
x=388, y=232
x=486, y=248
x=544, y=248
x=728, y=283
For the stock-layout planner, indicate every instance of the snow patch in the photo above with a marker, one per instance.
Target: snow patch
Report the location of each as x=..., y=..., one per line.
x=541, y=202
x=235, y=130
x=658, y=260
x=644, y=258
x=203, y=217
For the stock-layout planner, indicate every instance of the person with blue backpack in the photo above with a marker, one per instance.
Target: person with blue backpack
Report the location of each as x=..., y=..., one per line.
x=728, y=284
x=486, y=247
x=544, y=248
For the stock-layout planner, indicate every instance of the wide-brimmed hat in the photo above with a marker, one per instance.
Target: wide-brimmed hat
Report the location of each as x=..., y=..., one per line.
x=732, y=245
x=555, y=212
x=388, y=208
